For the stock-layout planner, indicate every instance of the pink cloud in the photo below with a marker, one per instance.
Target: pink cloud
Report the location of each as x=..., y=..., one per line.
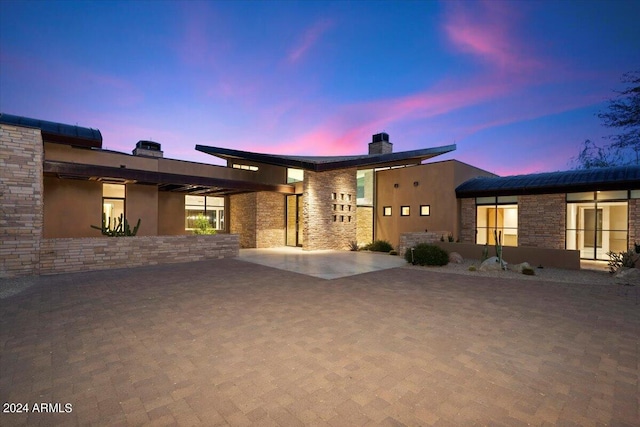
x=486, y=29
x=309, y=39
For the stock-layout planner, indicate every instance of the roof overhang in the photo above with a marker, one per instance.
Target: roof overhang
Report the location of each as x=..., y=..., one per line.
x=58, y=133
x=575, y=181
x=320, y=163
x=165, y=181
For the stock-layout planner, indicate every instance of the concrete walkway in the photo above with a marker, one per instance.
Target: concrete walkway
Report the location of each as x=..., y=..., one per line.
x=321, y=264
x=231, y=342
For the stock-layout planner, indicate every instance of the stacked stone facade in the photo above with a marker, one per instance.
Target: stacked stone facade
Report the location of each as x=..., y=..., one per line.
x=242, y=221
x=21, y=204
x=467, y=220
x=364, y=225
x=409, y=240
x=100, y=253
x=270, y=220
x=634, y=221
x=542, y=220
x=259, y=219
x=329, y=209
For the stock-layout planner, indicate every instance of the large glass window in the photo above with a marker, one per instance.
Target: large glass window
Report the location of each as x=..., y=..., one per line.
x=596, y=227
x=113, y=197
x=210, y=207
x=365, y=187
x=497, y=215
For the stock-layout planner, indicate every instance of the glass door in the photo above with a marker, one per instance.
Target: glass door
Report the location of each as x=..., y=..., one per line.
x=294, y=219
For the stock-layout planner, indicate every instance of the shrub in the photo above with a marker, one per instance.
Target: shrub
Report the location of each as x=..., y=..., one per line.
x=622, y=259
x=528, y=272
x=393, y=252
x=472, y=268
x=202, y=225
x=425, y=254
x=379, y=246
x=353, y=245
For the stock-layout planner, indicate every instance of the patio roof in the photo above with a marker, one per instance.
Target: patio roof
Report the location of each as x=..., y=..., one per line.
x=326, y=163
x=612, y=178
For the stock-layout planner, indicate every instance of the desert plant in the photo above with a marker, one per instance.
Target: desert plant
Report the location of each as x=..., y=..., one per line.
x=353, y=245
x=498, y=237
x=528, y=271
x=393, y=252
x=426, y=254
x=618, y=260
x=442, y=238
x=473, y=268
x=122, y=229
x=379, y=246
x=450, y=237
x=485, y=252
x=202, y=225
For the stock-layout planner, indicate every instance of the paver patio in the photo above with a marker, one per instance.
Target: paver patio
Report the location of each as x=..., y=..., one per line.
x=231, y=342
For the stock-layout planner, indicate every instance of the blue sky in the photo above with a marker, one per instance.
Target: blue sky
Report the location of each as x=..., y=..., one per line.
x=515, y=84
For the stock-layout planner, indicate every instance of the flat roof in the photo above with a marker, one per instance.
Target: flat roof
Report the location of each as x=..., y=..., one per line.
x=326, y=163
x=57, y=132
x=611, y=178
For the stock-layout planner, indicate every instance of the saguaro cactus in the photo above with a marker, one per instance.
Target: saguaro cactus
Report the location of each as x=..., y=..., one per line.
x=498, y=239
x=122, y=229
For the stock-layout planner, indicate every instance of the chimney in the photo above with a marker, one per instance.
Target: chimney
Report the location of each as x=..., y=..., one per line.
x=380, y=144
x=148, y=149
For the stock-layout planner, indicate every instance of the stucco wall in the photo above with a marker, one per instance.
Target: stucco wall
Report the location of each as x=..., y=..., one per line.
x=21, y=200
x=142, y=203
x=430, y=184
x=170, y=214
x=320, y=230
x=70, y=255
x=71, y=207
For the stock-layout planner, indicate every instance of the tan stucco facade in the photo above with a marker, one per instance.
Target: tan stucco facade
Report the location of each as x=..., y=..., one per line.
x=431, y=184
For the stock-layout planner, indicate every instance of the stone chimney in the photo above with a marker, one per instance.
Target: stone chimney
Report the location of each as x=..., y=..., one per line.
x=148, y=149
x=380, y=144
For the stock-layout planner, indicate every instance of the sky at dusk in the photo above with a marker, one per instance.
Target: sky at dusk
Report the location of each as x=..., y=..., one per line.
x=515, y=84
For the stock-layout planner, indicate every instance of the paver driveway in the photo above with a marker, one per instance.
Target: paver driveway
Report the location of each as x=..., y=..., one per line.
x=229, y=342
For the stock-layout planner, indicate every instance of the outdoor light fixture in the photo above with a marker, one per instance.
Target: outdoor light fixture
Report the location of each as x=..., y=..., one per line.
x=396, y=185
x=416, y=183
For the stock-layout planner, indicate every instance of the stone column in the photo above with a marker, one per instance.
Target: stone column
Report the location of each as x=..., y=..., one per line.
x=329, y=209
x=21, y=203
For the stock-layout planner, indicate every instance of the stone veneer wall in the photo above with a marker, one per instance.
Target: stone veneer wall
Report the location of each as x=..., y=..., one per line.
x=242, y=218
x=100, y=253
x=542, y=220
x=634, y=222
x=468, y=220
x=21, y=204
x=409, y=240
x=270, y=220
x=320, y=230
x=364, y=231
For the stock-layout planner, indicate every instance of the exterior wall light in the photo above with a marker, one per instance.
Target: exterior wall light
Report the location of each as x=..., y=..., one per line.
x=416, y=183
x=396, y=185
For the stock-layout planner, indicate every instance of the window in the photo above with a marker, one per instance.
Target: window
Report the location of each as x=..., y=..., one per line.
x=497, y=216
x=597, y=223
x=245, y=167
x=294, y=175
x=386, y=211
x=425, y=210
x=364, y=194
x=210, y=207
x=405, y=211
x=113, y=197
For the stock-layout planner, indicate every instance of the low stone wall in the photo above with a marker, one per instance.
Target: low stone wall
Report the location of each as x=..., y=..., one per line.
x=409, y=240
x=559, y=258
x=84, y=254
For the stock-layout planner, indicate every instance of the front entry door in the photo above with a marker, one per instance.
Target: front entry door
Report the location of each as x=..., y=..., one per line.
x=294, y=220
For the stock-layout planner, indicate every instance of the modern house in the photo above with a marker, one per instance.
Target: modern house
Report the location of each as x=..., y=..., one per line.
x=57, y=180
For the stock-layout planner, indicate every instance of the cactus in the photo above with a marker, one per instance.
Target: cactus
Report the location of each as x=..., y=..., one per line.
x=122, y=229
x=485, y=251
x=498, y=239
